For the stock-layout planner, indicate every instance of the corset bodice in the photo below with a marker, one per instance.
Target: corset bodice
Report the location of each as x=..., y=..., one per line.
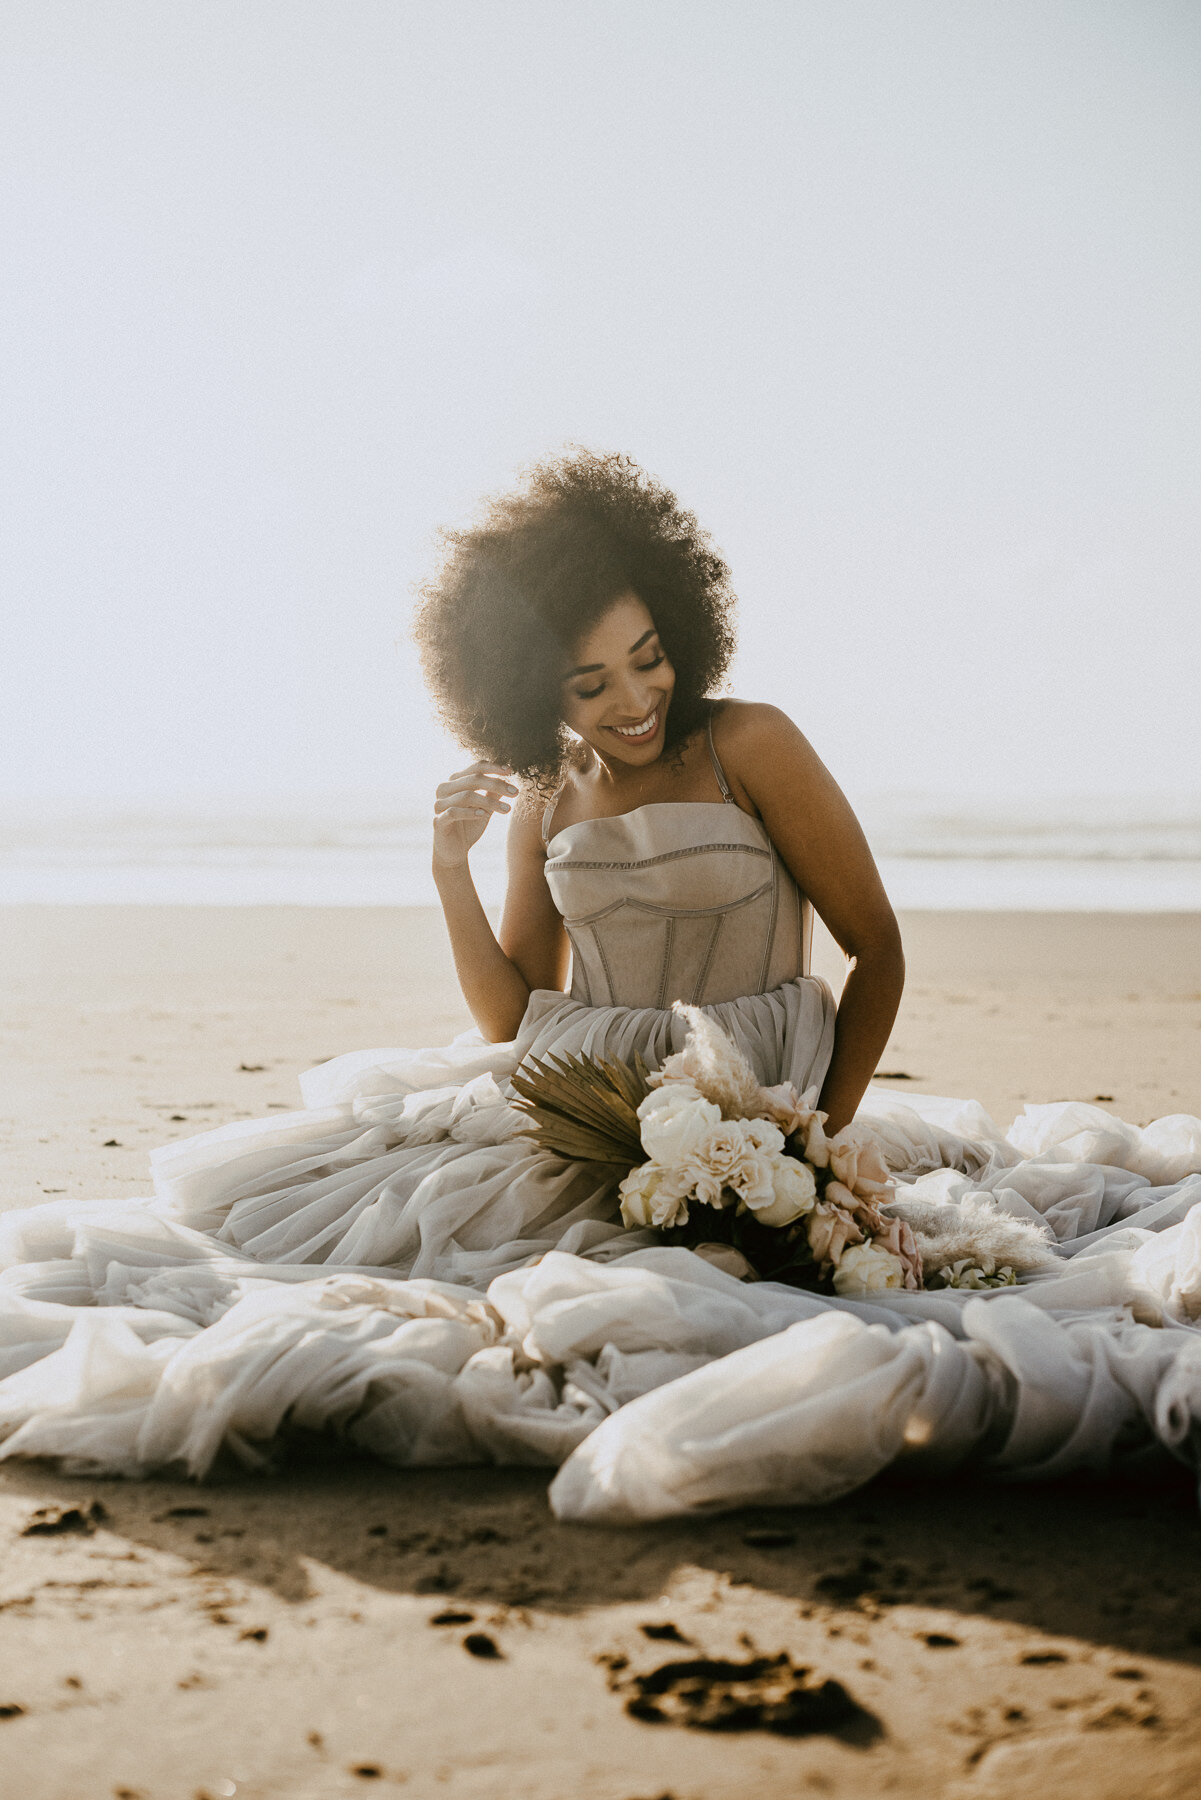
x=676, y=901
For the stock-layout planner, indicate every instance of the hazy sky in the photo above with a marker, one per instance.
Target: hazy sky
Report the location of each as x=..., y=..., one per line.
x=903, y=298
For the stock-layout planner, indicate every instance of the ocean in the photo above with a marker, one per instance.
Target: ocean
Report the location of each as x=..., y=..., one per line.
x=1090, y=855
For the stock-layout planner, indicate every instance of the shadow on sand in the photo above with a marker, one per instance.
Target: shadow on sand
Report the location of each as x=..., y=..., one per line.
x=1105, y=1561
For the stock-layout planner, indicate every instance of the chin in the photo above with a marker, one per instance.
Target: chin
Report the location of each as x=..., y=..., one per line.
x=633, y=750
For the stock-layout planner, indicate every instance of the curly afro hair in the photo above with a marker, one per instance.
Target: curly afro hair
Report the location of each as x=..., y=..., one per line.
x=497, y=624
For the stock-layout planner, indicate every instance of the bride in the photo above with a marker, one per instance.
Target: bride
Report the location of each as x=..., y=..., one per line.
x=401, y=1263
x=574, y=648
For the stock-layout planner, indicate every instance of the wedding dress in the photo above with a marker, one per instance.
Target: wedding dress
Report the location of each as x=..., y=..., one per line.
x=400, y=1264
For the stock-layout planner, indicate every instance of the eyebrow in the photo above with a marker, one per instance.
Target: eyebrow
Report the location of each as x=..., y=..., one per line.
x=593, y=668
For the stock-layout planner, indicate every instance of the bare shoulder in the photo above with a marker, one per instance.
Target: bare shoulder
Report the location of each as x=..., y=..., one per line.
x=565, y=799
x=534, y=808
x=752, y=724
x=757, y=742
x=809, y=819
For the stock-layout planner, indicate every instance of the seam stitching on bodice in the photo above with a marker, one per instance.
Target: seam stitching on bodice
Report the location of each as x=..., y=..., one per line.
x=648, y=862
x=668, y=940
x=802, y=947
x=579, y=967
x=604, y=961
x=667, y=912
x=703, y=977
x=770, y=938
x=650, y=806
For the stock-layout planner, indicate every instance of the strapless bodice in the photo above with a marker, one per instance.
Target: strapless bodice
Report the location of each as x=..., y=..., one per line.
x=684, y=900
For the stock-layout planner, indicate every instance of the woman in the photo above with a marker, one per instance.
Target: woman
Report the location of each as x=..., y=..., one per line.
x=664, y=845
x=607, y=625
x=325, y=1269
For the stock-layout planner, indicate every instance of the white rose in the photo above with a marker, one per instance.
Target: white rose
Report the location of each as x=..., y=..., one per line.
x=636, y=1193
x=793, y=1193
x=648, y=1197
x=867, y=1269
x=675, y=1121
x=693, y=1177
x=730, y=1154
x=764, y=1135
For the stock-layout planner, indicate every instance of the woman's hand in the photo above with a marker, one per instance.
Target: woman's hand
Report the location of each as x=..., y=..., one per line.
x=496, y=985
x=462, y=807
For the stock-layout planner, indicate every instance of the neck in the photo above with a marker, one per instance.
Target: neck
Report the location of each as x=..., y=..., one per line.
x=618, y=777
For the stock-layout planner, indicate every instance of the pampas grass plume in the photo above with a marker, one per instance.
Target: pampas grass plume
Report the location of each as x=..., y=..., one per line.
x=715, y=1066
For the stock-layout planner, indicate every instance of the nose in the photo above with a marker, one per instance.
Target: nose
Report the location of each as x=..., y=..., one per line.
x=635, y=698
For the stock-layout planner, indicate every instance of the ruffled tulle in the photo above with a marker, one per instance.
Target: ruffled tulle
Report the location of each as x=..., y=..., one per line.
x=399, y=1264
x=414, y=1161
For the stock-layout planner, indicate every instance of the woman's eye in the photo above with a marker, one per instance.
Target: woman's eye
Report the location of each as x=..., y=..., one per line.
x=642, y=668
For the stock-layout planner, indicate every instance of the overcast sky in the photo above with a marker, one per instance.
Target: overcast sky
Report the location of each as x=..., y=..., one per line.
x=902, y=298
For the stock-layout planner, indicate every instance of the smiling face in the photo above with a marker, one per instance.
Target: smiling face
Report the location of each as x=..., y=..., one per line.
x=618, y=689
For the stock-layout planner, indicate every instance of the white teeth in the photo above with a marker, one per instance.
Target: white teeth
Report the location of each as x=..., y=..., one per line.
x=637, y=731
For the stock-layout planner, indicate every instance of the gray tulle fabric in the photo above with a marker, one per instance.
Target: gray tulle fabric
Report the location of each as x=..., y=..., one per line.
x=399, y=1264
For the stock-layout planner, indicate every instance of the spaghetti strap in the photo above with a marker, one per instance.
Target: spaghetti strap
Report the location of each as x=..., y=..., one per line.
x=717, y=768
x=547, y=815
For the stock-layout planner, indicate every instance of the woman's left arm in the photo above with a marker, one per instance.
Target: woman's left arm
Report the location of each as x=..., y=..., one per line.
x=813, y=827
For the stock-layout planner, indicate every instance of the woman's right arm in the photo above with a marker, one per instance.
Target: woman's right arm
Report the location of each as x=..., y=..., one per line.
x=497, y=977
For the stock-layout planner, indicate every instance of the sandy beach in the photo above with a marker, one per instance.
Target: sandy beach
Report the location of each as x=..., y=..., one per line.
x=342, y=1628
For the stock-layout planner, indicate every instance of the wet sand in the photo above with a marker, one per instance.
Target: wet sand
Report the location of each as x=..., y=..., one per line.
x=341, y=1628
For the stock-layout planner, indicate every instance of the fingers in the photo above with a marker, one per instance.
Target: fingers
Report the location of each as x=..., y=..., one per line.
x=474, y=793
x=485, y=772
x=463, y=805
x=470, y=781
x=469, y=797
x=478, y=769
x=470, y=804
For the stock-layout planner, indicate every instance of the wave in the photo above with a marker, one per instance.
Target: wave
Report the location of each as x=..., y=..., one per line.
x=1090, y=855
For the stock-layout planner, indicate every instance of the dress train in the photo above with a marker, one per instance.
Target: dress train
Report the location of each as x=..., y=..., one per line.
x=218, y=1318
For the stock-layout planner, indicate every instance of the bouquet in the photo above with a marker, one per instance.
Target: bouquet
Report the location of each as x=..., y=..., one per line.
x=744, y=1175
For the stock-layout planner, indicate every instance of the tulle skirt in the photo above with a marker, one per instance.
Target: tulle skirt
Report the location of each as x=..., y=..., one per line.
x=399, y=1264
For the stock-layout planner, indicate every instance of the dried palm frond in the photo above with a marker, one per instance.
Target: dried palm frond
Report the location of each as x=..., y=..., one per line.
x=584, y=1108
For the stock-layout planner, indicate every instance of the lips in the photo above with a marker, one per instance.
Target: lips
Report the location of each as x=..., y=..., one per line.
x=639, y=734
